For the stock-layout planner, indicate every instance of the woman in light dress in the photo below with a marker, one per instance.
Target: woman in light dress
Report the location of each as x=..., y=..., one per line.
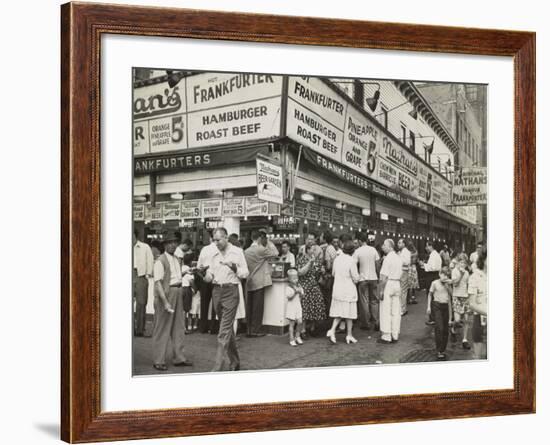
x=477, y=291
x=344, y=293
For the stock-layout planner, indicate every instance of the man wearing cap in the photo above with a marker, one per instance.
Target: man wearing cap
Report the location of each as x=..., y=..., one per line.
x=390, y=290
x=169, y=316
x=257, y=259
x=225, y=270
x=143, y=269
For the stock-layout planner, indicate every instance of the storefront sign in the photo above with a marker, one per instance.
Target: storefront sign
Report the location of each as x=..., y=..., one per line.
x=211, y=208
x=285, y=223
x=315, y=116
x=300, y=209
x=171, y=210
x=139, y=212
x=348, y=219
x=361, y=140
x=467, y=213
x=153, y=213
x=191, y=209
x=269, y=178
x=337, y=216
x=326, y=214
x=206, y=109
x=469, y=186
x=194, y=159
x=314, y=211
x=233, y=207
x=256, y=207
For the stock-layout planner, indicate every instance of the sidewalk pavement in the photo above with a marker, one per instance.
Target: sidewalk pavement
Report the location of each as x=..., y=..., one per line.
x=416, y=344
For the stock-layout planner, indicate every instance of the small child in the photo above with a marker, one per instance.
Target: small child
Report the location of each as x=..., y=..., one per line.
x=293, y=311
x=439, y=301
x=187, y=281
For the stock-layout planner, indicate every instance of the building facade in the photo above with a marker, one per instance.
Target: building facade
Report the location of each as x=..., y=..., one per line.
x=355, y=155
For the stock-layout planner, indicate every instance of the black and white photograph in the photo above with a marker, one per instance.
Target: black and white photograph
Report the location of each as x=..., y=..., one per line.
x=288, y=221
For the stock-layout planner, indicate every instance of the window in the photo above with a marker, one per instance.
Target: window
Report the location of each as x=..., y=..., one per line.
x=412, y=141
x=384, y=116
x=404, y=134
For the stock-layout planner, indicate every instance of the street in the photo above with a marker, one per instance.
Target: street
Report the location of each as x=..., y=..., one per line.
x=416, y=344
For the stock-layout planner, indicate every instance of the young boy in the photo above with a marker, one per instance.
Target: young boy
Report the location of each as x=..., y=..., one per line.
x=439, y=302
x=293, y=310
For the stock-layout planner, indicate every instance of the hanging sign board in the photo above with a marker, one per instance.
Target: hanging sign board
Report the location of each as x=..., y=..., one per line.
x=211, y=208
x=269, y=177
x=191, y=209
x=171, y=210
x=469, y=186
x=233, y=207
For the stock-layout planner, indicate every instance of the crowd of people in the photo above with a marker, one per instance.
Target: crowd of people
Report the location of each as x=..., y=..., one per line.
x=335, y=284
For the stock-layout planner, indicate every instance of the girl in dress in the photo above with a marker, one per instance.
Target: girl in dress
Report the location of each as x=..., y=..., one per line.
x=293, y=311
x=344, y=292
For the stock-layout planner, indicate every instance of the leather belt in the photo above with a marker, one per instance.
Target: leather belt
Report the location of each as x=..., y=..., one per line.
x=175, y=285
x=224, y=284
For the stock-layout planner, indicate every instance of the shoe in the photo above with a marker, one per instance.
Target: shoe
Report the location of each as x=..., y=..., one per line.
x=293, y=343
x=299, y=341
x=256, y=335
x=404, y=313
x=441, y=356
x=184, y=363
x=350, y=339
x=414, y=302
x=160, y=367
x=330, y=335
x=465, y=344
x=394, y=340
x=430, y=323
x=383, y=342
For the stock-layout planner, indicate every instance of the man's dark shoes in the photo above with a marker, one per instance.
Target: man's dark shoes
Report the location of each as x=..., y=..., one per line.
x=383, y=342
x=160, y=367
x=184, y=363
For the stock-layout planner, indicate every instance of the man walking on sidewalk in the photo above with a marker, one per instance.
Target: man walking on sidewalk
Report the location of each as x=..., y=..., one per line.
x=225, y=270
x=257, y=256
x=390, y=289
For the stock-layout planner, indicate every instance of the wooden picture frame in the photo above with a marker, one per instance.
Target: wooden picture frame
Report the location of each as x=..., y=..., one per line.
x=82, y=26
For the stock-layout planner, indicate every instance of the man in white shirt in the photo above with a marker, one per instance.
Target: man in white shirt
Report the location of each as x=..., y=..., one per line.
x=390, y=288
x=169, y=325
x=431, y=269
x=286, y=255
x=142, y=271
x=405, y=256
x=225, y=270
x=366, y=258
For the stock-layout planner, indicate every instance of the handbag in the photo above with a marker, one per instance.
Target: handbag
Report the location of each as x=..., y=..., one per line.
x=478, y=303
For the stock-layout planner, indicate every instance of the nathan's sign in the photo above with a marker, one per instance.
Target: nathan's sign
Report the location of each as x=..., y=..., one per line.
x=469, y=186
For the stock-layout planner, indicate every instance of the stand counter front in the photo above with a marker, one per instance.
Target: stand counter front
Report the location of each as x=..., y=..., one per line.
x=274, y=321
